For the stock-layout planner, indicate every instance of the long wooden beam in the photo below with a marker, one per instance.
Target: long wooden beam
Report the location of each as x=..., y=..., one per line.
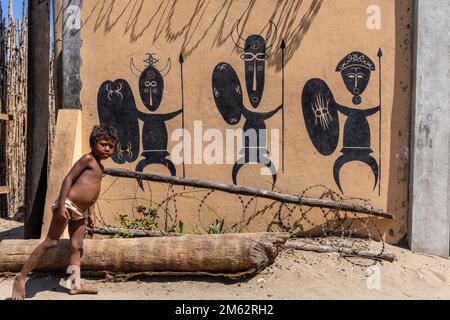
x=247, y=191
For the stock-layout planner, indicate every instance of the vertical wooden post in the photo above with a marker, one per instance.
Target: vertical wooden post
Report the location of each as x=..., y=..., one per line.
x=57, y=45
x=37, y=133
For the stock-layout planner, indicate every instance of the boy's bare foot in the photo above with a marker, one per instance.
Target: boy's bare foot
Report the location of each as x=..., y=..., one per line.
x=83, y=290
x=18, y=289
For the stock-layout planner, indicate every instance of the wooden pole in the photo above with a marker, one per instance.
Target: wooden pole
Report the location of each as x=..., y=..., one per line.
x=57, y=45
x=369, y=254
x=109, y=231
x=247, y=191
x=37, y=128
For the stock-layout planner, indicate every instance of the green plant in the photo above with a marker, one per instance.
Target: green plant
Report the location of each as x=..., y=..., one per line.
x=213, y=228
x=147, y=222
x=177, y=229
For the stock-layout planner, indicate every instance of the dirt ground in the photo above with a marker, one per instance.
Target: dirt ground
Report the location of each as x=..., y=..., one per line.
x=294, y=275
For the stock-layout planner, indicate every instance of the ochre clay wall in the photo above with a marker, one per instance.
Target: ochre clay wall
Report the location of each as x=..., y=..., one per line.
x=318, y=35
x=68, y=145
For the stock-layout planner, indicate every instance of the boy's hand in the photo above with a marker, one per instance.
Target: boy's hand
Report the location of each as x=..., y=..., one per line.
x=91, y=221
x=63, y=213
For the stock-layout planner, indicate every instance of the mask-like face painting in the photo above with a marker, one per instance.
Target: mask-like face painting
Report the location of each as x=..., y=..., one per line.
x=151, y=88
x=356, y=79
x=255, y=64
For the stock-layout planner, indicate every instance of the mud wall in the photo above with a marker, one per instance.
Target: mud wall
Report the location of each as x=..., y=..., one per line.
x=321, y=90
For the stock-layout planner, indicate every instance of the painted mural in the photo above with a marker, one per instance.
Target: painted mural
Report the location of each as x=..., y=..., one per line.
x=228, y=96
x=117, y=107
x=207, y=68
x=320, y=112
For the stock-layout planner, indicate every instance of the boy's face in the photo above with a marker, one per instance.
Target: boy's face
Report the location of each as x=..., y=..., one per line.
x=104, y=148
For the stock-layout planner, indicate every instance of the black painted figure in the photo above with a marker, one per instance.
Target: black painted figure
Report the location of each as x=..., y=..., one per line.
x=227, y=93
x=320, y=112
x=355, y=70
x=116, y=106
x=154, y=132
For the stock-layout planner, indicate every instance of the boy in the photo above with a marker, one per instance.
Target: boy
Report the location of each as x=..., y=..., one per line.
x=79, y=192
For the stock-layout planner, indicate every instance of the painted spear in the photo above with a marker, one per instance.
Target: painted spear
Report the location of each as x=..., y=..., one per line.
x=282, y=47
x=181, y=61
x=380, y=55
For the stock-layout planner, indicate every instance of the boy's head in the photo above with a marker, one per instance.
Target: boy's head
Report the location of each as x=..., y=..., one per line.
x=103, y=133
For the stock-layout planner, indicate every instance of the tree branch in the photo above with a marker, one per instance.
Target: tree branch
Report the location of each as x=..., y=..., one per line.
x=247, y=191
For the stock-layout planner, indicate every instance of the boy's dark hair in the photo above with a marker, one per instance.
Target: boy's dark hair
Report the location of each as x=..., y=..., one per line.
x=104, y=131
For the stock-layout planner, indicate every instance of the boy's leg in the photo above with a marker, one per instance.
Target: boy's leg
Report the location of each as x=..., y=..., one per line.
x=76, y=233
x=56, y=229
x=77, y=230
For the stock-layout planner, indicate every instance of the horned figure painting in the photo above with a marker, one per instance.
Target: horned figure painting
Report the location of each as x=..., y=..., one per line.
x=320, y=112
x=228, y=96
x=117, y=106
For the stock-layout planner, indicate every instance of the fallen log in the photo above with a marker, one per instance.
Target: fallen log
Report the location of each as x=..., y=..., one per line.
x=296, y=245
x=227, y=255
x=248, y=191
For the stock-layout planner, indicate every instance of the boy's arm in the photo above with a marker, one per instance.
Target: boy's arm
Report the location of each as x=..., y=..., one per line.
x=72, y=176
x=91, y=220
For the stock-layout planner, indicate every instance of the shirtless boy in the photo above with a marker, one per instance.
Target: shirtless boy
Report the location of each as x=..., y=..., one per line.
x=79, y=192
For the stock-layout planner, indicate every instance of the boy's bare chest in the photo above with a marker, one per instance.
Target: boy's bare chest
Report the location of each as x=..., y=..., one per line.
x=91, y=176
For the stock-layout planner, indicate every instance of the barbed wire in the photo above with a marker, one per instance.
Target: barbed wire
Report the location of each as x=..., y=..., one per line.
x=336, y=228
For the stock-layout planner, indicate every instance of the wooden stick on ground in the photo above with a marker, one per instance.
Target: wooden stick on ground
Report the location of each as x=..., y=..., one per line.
x=347, y=251
x=247, y=191
x=136, y=233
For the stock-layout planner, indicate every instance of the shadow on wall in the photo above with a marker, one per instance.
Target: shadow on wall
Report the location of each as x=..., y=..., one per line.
x=293, y=18
x=400, y=122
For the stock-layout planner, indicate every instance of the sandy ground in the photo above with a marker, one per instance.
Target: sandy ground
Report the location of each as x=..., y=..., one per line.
x=294, y=275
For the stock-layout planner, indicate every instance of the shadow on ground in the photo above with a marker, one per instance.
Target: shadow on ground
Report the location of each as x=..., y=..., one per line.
x=42, y=283
x=38, y=284
x=175, y=278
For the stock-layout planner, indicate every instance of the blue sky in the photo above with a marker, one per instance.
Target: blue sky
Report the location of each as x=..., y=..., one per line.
x=17, y=11
x=17, y=7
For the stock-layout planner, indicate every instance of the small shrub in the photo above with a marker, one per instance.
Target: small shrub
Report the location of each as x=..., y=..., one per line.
x=148, y=221
x=213, y=228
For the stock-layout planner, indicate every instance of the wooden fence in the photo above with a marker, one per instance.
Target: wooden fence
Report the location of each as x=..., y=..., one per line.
x=13, y=119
